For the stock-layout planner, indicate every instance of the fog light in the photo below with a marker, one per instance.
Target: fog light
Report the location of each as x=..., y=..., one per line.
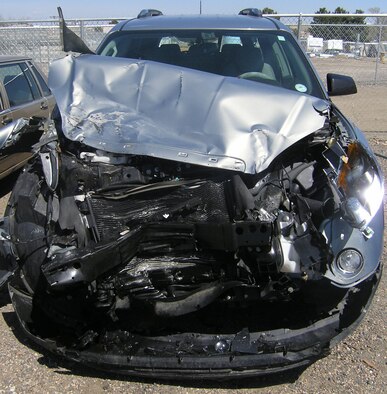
x=349, y=262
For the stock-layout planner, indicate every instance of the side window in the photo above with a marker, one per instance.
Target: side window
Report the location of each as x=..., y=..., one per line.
x=31, y=81
x=46, y=90
x=110, y=49
x=120, y=46
x=18, y=83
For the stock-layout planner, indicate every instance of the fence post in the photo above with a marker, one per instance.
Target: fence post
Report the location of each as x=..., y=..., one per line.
x=81, y=28
x=299, y=25
x=48, y=55
x=378, y=54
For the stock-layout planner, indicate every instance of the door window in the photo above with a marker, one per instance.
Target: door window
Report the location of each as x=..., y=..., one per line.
x=42, y=82
x=21, y=88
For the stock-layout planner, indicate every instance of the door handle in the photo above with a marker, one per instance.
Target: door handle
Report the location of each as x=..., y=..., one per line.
x=5, y=121
x=43, y=105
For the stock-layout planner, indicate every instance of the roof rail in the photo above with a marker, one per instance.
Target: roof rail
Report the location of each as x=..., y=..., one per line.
x=251, y=11
x=148, y=12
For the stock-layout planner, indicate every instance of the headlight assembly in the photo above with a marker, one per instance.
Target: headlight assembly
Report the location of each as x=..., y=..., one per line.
x=362, y=187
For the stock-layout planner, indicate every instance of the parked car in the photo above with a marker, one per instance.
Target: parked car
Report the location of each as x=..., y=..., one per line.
x=23, y=94
x=205, y=211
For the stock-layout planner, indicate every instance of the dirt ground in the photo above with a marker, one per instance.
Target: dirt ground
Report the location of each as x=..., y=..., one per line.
x=367, y=109
x=363, y=69
x=357, y=365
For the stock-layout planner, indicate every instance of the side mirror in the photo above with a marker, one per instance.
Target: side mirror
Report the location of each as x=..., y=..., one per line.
x=340, y=85
x=69, y=40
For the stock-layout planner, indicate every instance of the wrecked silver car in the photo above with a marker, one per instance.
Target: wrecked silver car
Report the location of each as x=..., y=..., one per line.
x=198, y=207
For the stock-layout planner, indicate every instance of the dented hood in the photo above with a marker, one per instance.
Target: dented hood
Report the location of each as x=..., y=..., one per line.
x=147, y=108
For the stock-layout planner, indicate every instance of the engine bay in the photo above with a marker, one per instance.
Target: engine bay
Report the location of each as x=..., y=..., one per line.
x=131, y=256
x=134, y=235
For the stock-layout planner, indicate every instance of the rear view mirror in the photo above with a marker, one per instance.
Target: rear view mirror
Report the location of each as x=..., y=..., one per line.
x=340, y=85
x=69, y=40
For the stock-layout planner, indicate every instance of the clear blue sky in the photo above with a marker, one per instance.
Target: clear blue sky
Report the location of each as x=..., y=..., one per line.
x=35, y=9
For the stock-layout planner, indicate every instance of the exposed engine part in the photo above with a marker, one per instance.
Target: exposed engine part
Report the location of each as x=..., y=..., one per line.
x=149, y=235
x=154, y=247
x=197, y=300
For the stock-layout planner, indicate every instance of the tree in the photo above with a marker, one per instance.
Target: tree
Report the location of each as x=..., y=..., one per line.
x=374, y=10
x=374, y=32
x=269, y=11
x=332, y=27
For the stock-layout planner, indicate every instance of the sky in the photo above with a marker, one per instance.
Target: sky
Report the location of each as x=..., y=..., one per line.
x=44, y=9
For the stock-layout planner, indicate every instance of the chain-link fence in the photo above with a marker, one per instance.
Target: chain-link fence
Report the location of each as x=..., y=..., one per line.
x=353, y=44
x=40, y=40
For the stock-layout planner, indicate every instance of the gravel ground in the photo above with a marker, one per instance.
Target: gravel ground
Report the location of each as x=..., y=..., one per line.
x=356, y=365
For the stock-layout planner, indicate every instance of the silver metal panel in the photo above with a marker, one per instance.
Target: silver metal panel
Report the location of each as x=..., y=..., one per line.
x=146, y=108
x=10, y=133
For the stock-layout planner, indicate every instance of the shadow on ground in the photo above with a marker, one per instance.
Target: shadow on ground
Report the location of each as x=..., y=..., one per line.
x=4, y=297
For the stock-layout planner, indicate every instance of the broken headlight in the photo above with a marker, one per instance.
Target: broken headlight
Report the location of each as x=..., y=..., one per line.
x=362, y=186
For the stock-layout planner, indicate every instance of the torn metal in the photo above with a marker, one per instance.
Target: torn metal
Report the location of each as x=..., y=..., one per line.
x=10, y=134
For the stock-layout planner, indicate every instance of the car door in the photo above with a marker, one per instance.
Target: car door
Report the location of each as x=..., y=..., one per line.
x=45, y=90
x=21, y=98
x=24, y=96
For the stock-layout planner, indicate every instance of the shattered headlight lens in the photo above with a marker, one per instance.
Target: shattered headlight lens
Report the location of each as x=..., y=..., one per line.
x=361, y=184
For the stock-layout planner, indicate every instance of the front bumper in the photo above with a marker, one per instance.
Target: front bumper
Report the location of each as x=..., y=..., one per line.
x=192, y=355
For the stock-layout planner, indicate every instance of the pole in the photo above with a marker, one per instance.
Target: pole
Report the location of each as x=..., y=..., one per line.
x=299, y=26
x=81, y=27
x=200, y=8
x=378, y=54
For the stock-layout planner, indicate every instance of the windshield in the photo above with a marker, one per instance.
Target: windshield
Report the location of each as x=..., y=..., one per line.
x=271, y=57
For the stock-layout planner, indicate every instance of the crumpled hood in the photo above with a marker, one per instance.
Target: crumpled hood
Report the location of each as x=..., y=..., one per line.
x=147, y=108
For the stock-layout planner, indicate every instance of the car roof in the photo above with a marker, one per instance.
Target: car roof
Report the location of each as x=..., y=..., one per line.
x=193, y=22
x=7, y=59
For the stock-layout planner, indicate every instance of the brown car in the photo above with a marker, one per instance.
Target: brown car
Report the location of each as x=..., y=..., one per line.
x=23, y=94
